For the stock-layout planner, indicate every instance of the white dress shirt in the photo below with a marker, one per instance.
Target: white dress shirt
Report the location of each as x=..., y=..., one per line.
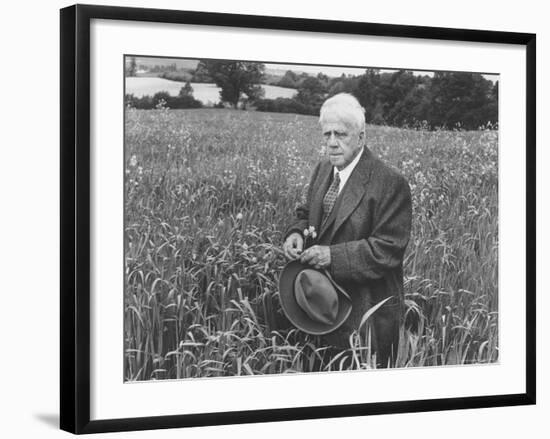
x=346, y=172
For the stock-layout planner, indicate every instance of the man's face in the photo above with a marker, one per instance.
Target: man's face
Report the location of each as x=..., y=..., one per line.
x=342, y=140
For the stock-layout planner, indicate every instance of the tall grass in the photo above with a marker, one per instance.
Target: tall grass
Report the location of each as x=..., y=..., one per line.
x=208, y=194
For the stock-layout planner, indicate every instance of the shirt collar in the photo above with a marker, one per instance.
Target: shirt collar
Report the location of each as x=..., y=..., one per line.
x=346, y=172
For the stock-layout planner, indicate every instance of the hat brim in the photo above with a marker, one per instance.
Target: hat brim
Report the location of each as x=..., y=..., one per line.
x=293, y=311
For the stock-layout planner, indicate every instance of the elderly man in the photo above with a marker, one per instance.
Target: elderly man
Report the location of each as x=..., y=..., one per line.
x=361, y=211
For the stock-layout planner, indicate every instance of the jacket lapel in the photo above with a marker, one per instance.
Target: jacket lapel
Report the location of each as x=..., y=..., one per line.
x=316, y=212
x=351, y=194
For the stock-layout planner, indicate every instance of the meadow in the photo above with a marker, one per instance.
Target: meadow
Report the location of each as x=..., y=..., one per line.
x=208, y=194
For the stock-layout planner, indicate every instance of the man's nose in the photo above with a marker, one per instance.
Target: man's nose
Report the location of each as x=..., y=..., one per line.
x=332, y=140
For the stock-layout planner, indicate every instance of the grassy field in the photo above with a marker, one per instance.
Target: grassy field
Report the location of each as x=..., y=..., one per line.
x=208, y=194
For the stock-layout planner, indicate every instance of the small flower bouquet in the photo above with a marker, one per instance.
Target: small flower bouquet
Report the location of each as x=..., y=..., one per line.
x=309, y=236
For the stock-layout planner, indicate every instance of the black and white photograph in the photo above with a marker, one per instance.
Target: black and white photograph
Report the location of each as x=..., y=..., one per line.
x=296, y=218
x=275, y=219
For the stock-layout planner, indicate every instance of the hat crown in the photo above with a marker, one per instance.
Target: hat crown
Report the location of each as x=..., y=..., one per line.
x=309, y=302
x=316, y=296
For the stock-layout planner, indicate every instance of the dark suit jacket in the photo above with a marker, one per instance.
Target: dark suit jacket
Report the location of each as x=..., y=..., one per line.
x=368, y=231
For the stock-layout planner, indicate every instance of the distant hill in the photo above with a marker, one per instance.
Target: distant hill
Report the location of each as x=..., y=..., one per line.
x=180, y=63
x=192, y=64
x=281, y=72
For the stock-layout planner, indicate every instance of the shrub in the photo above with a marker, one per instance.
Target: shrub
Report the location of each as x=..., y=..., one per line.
x=285, y=105
x=150, y=102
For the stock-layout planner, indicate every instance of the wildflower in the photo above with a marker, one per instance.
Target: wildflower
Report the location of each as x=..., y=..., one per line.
x=133, y=161
x=310, y=231
x=239, y=216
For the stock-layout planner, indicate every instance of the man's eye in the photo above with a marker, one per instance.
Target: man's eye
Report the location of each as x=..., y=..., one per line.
x=337, y=135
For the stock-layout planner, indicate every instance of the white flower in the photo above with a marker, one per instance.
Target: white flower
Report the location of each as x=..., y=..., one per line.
x=314, y=234
x=239, y=216
x=133, y=161
x=306, y=232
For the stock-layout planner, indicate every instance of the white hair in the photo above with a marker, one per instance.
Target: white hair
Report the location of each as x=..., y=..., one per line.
x=346, y=107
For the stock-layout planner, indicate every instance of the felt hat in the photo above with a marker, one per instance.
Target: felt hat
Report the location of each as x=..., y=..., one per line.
x=311, y=299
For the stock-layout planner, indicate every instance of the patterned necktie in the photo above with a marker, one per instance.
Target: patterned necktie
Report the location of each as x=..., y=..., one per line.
x=330, y=196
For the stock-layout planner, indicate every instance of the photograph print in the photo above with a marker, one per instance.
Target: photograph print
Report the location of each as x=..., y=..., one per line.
x=292, y=218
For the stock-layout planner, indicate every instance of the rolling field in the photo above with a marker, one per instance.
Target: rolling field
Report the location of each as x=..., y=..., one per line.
x=208, y=94
x=208, y=194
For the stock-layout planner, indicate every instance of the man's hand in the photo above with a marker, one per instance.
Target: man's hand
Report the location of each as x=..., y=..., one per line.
x=293, y=246
x=318, y=256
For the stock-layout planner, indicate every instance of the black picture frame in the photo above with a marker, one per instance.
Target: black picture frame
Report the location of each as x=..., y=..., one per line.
x=75, y=217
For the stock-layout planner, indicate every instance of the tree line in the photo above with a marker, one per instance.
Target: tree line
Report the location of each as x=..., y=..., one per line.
x=400, y=98
x=163, y=99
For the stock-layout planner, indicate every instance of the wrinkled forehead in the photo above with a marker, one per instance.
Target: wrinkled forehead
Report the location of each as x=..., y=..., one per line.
x=339, y=116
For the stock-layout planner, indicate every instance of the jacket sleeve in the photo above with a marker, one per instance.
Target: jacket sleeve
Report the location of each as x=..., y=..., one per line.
x=371, y=257
x=301, y=219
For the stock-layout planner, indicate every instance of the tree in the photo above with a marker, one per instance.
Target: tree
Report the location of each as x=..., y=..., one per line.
x=367, y=92
x=337, y=87
x=401, y=97
x=201, y=74
x=236, y=78
x=461, y=99
x=311, y=92
x=492, y=107
x=131, y=69
x=186, y=90
x=289, y=80
x=324, y=80
x=378, y=114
